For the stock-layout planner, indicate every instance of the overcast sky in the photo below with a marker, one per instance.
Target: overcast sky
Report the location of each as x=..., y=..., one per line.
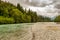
x=50, y=8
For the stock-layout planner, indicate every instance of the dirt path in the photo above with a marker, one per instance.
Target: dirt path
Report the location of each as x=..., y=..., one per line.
x=46, y=31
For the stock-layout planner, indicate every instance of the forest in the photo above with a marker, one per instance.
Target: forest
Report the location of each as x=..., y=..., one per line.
x=11, y=14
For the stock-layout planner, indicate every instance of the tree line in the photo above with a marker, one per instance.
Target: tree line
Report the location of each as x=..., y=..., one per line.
x=10, y=14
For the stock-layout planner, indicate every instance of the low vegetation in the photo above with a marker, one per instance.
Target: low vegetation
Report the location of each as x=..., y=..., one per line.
x=54, y=28
x=13, y=31
x=57, y=19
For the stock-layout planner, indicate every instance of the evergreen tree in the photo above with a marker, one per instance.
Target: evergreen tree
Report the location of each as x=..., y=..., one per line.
x=0, y=1
x=20, y=8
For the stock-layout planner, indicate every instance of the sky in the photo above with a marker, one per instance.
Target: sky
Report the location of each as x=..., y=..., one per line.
x=49, y=8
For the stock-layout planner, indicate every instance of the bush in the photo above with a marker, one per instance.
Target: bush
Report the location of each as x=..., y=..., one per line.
x=5, y=20
x=57, y=19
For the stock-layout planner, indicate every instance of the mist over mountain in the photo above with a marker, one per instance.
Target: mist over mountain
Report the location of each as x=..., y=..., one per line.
x=49, y=8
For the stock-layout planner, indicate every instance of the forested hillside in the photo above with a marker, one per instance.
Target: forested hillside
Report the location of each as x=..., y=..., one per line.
x=10, y=13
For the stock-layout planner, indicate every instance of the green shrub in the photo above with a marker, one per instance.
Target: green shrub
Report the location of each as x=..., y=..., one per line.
x=5, y=20
x=57, y=19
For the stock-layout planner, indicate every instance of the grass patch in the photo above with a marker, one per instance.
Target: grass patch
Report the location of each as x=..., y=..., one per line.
x=13, y=30
x=9, y=28
x=55, y=28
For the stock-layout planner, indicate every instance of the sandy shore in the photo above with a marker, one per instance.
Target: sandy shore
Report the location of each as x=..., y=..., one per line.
x=46, y=31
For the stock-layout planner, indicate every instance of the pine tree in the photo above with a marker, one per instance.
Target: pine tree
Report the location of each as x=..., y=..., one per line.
x=25, y=10
x=0, y=1
x=20, y=8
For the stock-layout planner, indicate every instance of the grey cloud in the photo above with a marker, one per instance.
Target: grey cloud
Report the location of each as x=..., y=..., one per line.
x=43, y=3
x=39, y=3
x=57, y=6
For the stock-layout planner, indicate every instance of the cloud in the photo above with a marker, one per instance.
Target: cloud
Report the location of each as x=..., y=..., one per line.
x=57, y=5
x=39, y=3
